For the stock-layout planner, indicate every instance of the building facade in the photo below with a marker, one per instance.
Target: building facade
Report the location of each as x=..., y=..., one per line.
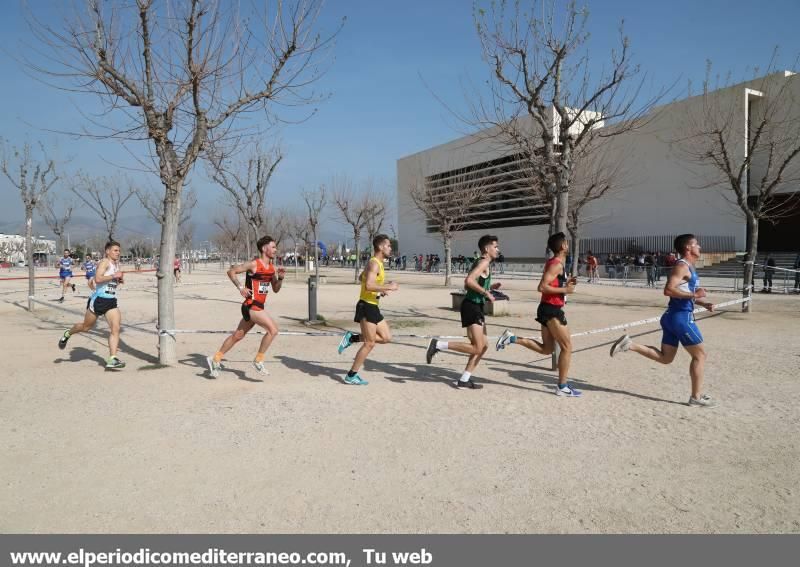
x=664, y=189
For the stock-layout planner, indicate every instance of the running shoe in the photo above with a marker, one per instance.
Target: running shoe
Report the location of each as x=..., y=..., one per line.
x=114, y=363
x=432, y=350
x=468, y=384
x=704, y=401
x=213, y=366
x=62, y=342
x=345, y=342
x=355, y=380
x=622, y=344
x=260, y=367
x=60, y=299
x=567, y=390
x=504, y=340
x=73, y=288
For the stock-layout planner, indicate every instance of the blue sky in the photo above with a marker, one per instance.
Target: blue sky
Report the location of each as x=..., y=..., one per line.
x=381, y=108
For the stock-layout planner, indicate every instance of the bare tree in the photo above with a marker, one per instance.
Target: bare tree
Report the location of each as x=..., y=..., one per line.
x=33, y=179
x=600, y=171
x=277, y=225
x=447, y=203
x=298, y=231
x=155, y=207
x=246, y=185
x=11, y=249
x=744, y=140
x=138, y=247
x=353, y=207
x=315, y=203
x=57, y=222
x=182, y=74
x=378, y=204
x=105, y=196
x=544, y=102
x=185, y=240
x=230, y=235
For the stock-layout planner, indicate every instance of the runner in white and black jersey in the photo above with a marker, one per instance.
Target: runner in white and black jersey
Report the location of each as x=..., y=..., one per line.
x=103, y=301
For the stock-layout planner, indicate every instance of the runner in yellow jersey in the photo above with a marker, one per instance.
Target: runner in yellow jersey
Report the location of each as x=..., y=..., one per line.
x=374, y=328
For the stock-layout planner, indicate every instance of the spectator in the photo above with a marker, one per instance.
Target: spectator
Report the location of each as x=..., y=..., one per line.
x=769, y=271
x=650, y=267
x=591, y=266
x=797, y=273
x=611, y=269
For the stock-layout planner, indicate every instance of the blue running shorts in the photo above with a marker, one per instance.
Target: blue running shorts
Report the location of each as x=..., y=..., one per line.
x=679, y=327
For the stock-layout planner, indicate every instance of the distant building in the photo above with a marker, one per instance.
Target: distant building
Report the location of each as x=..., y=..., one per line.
x=661, y=198
x=12, y=248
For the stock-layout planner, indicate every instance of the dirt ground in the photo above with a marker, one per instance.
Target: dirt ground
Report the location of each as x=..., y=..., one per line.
x=170, y=450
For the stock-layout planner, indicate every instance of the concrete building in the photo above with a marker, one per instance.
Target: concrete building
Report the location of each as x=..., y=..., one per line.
x=665, y=192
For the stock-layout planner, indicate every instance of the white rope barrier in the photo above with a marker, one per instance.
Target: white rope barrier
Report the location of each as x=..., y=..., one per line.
x=622, y=326
x=81, y=313
x=625, y=326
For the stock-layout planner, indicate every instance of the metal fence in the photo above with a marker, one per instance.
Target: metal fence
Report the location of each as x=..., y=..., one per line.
x=652, y=243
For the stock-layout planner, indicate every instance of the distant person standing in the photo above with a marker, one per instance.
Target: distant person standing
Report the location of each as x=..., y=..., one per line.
x=769, y=271
x=649, y=265
x=591, y=266
x=797, y=274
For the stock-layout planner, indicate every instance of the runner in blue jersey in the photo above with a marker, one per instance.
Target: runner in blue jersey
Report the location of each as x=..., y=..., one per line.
x=89, y=267
x=65, y=273
x=683, y=289
x=103, y=302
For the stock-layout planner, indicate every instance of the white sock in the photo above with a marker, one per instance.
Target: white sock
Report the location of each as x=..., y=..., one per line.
x=441, y=345
x=465, y=377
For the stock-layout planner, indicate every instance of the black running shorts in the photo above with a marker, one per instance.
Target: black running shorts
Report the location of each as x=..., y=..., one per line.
x=368, y=311
x=472, y=314
x=545, y=312
x=101, y=305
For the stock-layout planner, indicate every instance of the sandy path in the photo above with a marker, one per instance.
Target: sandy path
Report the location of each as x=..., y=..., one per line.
x=170, y=450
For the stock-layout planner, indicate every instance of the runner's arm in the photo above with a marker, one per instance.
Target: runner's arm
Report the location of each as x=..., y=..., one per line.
x=277, y=279
x=234, y=271
x=471, y=281
x=371, y=274
x=679, y=274
x=101, y=269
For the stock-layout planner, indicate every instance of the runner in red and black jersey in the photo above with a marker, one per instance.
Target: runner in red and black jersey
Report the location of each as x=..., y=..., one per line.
x=261, y=276
x=554, y=286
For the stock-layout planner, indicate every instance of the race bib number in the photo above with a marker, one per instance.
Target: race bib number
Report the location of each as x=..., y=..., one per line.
x=263, y=288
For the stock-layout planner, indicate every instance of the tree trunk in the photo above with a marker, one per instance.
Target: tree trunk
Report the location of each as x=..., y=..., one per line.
x=316, y=277
x=574, y=247
x=750, y=261
x=29, y=254
x=562, y=210
x=166, y=297
x=357, y=236
x=447, y=239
